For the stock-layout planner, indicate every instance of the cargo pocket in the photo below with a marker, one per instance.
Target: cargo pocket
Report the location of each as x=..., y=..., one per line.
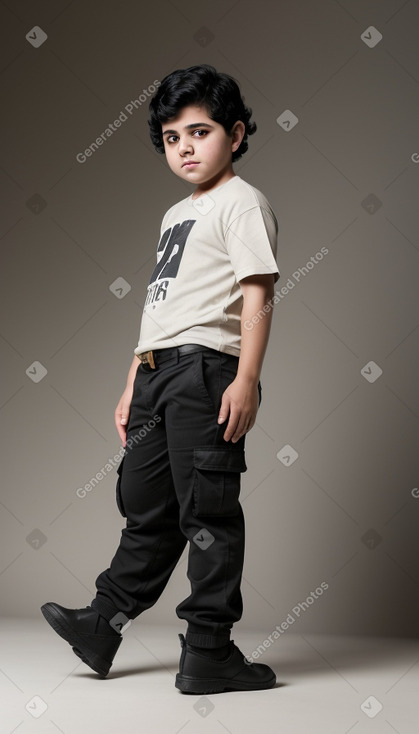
x=216, y=485
x=119, y=502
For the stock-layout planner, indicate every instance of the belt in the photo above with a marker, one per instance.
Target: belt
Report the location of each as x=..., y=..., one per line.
x=161, y=355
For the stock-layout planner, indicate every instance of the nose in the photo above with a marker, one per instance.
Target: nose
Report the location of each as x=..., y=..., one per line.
x=185, y=145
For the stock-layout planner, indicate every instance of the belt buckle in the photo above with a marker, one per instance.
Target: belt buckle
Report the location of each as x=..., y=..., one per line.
x=148, y=358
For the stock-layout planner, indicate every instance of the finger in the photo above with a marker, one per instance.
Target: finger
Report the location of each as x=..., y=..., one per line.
x=120, y=427
x=249, y=424
x=123, y=415
x=231, y=427
x=224, y=410
x=243, y=427
x=122, y=435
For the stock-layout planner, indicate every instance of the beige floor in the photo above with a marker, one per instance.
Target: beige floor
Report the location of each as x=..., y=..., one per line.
x=323, y=682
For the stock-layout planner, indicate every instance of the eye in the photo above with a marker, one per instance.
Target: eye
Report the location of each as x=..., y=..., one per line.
x=202, y=133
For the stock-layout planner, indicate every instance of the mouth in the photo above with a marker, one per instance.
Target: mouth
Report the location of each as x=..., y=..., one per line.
x=190, y=164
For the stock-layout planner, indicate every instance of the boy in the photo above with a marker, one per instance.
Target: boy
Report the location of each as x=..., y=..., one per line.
x=192, y=397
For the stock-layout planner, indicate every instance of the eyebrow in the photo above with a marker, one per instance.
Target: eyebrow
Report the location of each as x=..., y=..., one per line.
x=189, y=127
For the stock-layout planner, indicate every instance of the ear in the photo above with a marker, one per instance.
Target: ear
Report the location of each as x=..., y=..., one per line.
x=237, y=134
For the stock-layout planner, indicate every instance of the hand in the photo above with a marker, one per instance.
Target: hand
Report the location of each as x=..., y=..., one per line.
x=241, y=401
x=122, y=413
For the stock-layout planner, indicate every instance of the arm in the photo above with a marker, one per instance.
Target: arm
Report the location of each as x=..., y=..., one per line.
x=123, y=407
x=241, y=398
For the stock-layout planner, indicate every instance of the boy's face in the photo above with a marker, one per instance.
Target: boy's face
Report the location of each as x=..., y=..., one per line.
x=193, y=136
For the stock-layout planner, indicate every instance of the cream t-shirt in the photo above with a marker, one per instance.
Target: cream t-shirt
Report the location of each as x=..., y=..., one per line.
x=206, y=247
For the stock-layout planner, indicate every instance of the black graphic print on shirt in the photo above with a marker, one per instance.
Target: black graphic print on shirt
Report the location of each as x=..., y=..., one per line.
x=169, y=254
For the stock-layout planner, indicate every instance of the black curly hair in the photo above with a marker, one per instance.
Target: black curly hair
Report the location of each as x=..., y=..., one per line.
x=202, y=86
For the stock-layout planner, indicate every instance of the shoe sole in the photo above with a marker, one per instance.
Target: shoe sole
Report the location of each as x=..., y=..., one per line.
x=187, y=684
x=60, y=625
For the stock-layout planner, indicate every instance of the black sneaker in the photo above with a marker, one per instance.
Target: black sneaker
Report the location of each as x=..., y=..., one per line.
x=202, y=674
x=90, y=635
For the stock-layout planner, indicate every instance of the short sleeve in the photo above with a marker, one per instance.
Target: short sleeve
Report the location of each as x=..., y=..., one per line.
x=251, y=241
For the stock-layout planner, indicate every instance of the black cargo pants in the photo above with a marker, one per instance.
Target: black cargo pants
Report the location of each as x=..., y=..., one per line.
x=179, y=481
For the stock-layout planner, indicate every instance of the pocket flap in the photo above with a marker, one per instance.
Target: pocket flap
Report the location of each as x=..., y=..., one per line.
x=218, y=458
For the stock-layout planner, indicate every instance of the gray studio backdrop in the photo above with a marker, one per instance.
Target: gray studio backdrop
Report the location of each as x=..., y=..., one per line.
x=331, y=494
